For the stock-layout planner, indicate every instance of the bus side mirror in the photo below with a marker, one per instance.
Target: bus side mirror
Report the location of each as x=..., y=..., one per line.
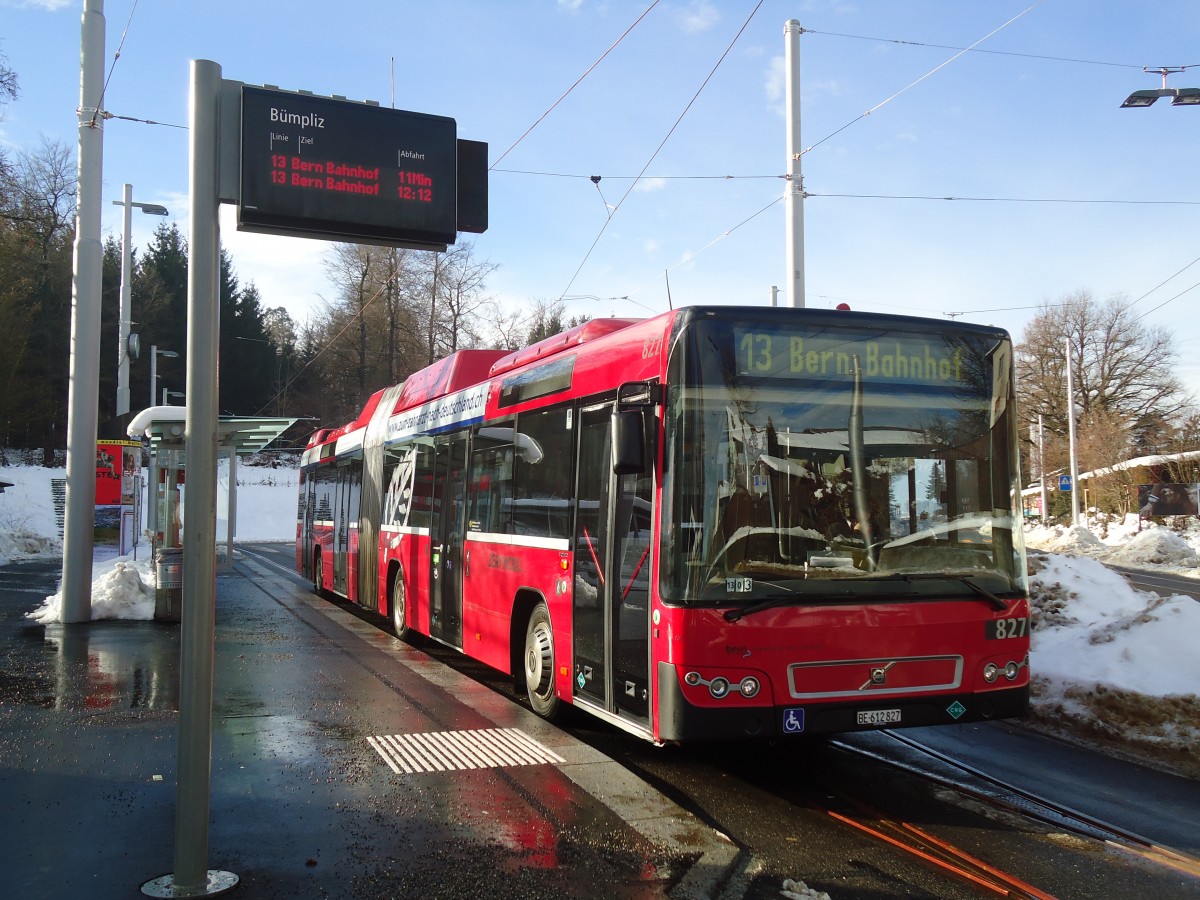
x=628, y=442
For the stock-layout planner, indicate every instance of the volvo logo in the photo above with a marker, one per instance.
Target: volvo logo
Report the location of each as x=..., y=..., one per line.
x=877, y=676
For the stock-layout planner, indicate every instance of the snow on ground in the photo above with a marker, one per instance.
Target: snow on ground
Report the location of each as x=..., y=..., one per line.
x=1111, y=665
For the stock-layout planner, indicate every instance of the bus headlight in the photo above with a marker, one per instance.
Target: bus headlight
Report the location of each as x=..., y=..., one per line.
x=721, y=687
x=1011, y=671
x=991, y=672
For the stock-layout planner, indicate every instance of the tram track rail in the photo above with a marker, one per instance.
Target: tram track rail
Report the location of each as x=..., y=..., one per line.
x=999, y=794
x=939, y=853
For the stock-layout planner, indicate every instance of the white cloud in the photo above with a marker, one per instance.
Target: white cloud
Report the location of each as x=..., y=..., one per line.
x=646, y=185
x=775, y=82
x=571, y=6
x=48, y=5
x=650, y=245
x=698, y=16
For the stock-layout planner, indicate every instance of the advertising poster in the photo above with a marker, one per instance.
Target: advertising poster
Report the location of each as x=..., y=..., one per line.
x=118, y=486
x=1168, y=499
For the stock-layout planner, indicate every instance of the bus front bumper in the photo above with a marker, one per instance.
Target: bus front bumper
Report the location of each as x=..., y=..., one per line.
x=680, y=720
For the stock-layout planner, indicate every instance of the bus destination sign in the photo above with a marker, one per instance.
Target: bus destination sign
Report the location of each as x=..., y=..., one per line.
x=324, y=167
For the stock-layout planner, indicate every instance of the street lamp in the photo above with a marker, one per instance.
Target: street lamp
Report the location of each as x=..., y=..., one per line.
x=155, y=353
x=1071, y=439
x=168, y=394
x=1179, y=96
x=126, y=344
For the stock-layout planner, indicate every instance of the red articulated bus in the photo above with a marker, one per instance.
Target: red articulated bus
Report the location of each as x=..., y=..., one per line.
x=720, y=522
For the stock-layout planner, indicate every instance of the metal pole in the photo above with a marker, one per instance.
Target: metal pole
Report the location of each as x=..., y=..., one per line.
x=126, y=304
x=152, y=491
x=197, y=620
x=83, y=393
x=1071, y=433
x=1042, y=469
x=153, y=372
x=794, y=198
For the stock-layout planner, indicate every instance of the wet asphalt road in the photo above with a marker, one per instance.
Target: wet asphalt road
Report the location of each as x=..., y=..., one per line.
x=772, y=800
x=301, y=804
x=303, y=807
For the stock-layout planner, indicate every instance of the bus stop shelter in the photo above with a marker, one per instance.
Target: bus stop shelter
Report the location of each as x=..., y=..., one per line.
x=163, y=427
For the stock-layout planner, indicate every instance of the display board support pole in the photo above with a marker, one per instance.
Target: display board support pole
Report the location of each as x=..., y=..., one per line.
x=191, y=877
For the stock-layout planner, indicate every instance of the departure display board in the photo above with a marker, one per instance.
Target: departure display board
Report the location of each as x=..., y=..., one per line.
x=342, y=170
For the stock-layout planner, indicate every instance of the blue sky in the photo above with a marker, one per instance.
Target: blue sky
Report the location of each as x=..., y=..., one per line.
x=1036, y=119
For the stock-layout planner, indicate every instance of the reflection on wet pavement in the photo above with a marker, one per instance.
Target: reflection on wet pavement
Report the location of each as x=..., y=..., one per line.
x=119, y=665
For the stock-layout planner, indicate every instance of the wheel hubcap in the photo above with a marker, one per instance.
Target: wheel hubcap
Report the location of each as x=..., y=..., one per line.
x=538, y=659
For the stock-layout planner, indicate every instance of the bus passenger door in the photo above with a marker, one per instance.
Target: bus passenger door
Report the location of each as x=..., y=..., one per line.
x=446, y=538
x=341, y=527
x=612, y=576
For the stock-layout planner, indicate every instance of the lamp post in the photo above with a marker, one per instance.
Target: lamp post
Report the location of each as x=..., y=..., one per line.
x=127, y=346
x=794, y=196
x=1071, y=439
x=167, y=395
x=1179, y=96
x=155, y=353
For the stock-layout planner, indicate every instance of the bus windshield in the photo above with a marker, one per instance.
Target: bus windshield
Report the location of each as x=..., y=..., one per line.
x=832, y=458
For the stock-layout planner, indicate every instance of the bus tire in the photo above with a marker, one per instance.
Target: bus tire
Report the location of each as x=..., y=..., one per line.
x=539, y=664
x=398, y=607
x=318, y=574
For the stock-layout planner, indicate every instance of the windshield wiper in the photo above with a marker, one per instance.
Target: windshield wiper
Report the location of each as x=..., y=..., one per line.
x=994, y=601
x=732, y=615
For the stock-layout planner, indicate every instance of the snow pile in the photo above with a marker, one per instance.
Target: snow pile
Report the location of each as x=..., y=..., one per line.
x=798, y=890
x=1089, y=627
x=1069, y=539
x=22, y=543
x=1155, y=546
x=122, y=588
x=1110, y=663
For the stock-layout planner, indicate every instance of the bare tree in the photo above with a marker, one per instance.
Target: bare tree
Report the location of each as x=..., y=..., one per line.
x=1123, y=372
x=453, y=290
x=40, y=199
x=9, y=90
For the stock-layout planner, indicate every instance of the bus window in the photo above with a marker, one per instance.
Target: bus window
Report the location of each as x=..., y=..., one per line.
x=488, y=505
x=543, y=481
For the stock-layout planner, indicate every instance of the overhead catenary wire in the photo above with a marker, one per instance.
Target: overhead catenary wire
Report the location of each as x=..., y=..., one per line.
x=849, y=196
x=528, y=130
x=661, y=144
x=974, y=49
x=928, y=74
x=98, y=111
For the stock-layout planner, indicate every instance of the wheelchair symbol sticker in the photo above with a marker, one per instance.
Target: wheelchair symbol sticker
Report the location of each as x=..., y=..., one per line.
x=793, y=720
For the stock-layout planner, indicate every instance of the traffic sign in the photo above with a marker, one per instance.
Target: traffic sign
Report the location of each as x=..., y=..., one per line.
x=1064, y=482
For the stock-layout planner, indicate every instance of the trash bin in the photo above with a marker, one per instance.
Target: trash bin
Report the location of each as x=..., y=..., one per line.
x=168, y=573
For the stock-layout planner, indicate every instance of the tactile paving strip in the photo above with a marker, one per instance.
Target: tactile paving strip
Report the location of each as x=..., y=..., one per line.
x=444, y=751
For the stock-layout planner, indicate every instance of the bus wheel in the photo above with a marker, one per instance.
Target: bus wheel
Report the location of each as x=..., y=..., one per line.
x=539, y=664
x=399, y=608
x=318, y=575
